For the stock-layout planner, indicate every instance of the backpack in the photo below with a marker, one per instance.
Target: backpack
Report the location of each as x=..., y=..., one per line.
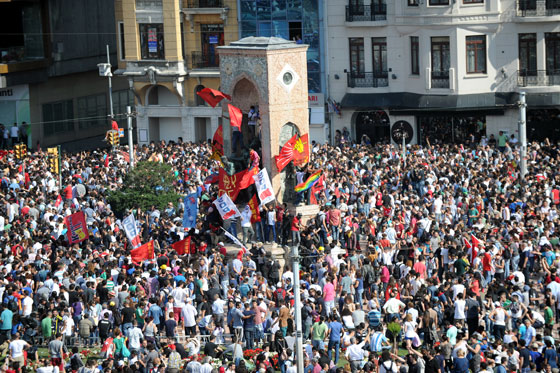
x=507, y=254
x=397, y=271
x=13, y=304
x=280, y=294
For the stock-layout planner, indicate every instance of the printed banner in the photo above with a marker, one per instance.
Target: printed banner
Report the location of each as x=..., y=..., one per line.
x=131, y=230
x=191, y=211
x=264, y=187
x=76, y=227
x=235, y=240
x=226, y=207
x=183, y=246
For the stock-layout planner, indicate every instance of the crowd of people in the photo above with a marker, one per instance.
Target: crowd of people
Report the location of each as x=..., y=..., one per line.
x=446, y=261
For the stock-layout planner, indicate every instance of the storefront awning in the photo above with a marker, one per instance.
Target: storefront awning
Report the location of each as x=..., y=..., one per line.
x=406, y=101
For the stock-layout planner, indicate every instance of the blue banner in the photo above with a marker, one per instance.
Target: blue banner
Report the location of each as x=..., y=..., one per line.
x=191, y=211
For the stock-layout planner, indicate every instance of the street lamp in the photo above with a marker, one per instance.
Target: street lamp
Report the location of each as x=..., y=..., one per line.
x=105, y=70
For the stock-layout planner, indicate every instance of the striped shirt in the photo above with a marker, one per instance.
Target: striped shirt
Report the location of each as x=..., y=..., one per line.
x=377, y=340
x=374, y=318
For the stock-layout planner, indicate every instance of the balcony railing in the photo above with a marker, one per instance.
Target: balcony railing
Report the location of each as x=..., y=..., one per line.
x=206, y=3
x=440, y=79
x=205, y=60
x=368, y=80
x=536, y=8
x=538, y=78
x=373, y=12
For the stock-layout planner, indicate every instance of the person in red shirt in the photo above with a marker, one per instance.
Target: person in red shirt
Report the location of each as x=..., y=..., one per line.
x=68, y=192
x=296, y=226
x=487, y=266
x=420, y=267
x=334, y=221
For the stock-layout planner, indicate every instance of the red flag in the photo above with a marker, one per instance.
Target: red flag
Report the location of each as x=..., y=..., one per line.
x=286, y=153
x=77, y=230
x=301, y=150
x=144, y=252
x=183, y=246
x=212, y=96
x=467, y=243
x=235, y=116
x=232, y=185
x=58, y=201
x=316, y=189
x=254, y=205
x=475, y=241
x=218, y=143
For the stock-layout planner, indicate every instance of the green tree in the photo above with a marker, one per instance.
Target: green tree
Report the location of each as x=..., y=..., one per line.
x=394, y=328
x=147, y=184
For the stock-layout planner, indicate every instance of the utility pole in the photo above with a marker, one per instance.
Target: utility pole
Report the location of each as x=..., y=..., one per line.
x=522, y=135
x=404, y=148
x=297, y=307
x=130, y=141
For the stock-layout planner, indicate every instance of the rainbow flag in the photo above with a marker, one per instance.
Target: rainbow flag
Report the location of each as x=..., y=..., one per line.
x=311, y=180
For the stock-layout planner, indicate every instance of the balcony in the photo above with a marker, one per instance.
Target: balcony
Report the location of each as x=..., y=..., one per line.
x=538, y=8
x=368, y=80
x=202, y=60
x=361, y=13
x=206, y=3
x=440, y=79
x=538, y=78
x=20, y=58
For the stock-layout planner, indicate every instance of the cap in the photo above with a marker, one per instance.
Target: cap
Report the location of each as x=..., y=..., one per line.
x=279, y=285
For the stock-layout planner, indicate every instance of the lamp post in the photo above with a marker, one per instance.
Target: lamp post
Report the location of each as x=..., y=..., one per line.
x=105, y=70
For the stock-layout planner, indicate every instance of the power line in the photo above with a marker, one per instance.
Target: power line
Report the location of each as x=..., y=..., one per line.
x=78, y=119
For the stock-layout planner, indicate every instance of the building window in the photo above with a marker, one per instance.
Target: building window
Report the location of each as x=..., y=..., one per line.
x=552, y=42
x=122, y=99
x=476, y=54
x=528, y=54
x=439, y=2
x=473, y=1
x=151, y=41
x=413, y=2
x=58, y=117
x=379, y=47
x=357, y=56
x=414, y=55
x=122, y=53
x=93, y=110
x=212, y=36
x=440, y=54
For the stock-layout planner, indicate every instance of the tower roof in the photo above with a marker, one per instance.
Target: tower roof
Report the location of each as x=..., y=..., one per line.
x=261, y=42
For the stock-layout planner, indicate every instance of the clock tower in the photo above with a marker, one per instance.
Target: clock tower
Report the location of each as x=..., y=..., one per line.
x=269, y=73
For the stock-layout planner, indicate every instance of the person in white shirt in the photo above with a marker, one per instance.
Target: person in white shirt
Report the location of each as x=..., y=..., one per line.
x=246, y=226
x=459, y=305
x=135, y=335
x=355, y=353
x=27, y=304
x=189, y=316
x=16, y=347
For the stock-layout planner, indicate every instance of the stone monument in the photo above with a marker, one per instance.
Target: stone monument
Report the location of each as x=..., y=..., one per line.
x=270, y=74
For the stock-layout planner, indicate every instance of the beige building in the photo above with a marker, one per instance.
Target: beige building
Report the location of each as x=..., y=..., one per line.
x=168, y=52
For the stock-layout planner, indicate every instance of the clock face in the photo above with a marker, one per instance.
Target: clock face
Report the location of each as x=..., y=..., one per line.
x=287, y=78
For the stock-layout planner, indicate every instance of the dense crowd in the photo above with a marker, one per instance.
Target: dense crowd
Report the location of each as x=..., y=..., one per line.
x=444, y=262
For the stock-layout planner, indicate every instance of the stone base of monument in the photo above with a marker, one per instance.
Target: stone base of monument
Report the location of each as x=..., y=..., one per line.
x=307, y=212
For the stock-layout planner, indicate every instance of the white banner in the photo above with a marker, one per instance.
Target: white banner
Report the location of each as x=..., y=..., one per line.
x=131, y=230
x=234, y=239
x=264, y=187
x=226, y=207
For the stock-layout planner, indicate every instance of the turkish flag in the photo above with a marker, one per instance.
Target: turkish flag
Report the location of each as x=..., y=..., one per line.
x=475, y=241
x=235, y=116
x=286, y=153
x=144, y=252
x=212, y=96
x=58, y=201
x=467, y=243
x=182, y=247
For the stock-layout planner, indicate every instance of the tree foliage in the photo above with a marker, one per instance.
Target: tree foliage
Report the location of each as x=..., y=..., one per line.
x=147, y=184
